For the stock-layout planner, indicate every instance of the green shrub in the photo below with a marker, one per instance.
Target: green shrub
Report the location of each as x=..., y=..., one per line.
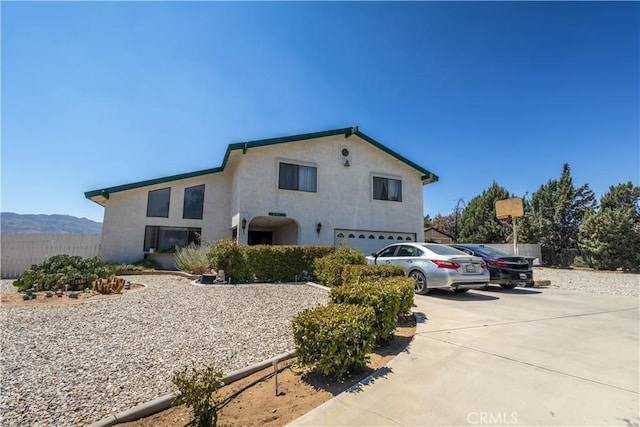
x=387, y=297
x=198, y=389
x=328, y=269
x=357, y=273
x=275, y=263
x=335, y=339
x=283, y=263
x=192, y=259
x=62, y=268
x=404, y=286
x=229, y=256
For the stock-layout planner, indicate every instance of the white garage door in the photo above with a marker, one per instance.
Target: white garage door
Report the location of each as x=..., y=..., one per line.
x=368, y=241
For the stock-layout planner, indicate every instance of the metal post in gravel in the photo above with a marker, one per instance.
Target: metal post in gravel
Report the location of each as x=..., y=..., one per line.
x=275, y=373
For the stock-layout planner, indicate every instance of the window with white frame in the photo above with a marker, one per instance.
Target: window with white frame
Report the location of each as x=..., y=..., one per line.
x=297, y=177
x=387, y=189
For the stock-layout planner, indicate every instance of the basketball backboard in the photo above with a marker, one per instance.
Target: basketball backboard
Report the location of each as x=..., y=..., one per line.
x=509, y=208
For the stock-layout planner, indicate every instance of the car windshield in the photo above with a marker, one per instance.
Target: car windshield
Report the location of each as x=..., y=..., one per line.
x=443, y=250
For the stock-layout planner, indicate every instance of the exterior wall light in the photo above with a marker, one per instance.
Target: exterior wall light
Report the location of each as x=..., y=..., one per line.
x=244, y=224
x=318, y=228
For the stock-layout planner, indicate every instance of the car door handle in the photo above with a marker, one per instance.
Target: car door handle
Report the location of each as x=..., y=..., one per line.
x=409, y=261
x=387, y=262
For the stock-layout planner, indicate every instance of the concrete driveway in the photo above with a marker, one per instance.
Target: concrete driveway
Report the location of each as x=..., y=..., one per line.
x=527, y=357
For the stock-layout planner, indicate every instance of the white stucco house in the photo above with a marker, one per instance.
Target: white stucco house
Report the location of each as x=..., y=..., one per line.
x=320, y=188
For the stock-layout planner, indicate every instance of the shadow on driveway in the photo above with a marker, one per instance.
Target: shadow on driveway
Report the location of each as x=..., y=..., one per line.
x=515, y=291
x=453, y=296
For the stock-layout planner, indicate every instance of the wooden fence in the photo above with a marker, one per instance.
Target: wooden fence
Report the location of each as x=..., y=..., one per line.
x=21, y=251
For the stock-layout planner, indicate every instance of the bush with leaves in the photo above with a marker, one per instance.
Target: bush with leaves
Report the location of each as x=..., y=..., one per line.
x=283, y=263
x=335, y=339
x=198, y=389
x=357, y=273
x=228, y=255
x=387, y=298
x=192, y=259
x=328, y=269
x=62, y=268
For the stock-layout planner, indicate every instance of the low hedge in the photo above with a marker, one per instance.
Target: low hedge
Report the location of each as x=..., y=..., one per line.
x=335, y=339
x=328, y=269
x=388, y=297
x=228, y=255
x=357, y=273
x=404, y=286
x=283, y=263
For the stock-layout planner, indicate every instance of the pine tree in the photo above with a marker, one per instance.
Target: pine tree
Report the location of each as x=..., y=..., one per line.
x=479, y=223
x=610, y=238
x=557, y=210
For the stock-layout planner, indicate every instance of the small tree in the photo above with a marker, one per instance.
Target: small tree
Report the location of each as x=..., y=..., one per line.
x=198, y=389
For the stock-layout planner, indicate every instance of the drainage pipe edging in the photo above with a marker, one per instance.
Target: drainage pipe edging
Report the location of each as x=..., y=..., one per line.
x=161, y=403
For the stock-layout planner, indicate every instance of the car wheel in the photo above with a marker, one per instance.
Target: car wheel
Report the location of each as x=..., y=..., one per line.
x=460, y=291
x=509, y=286
x=420, y=285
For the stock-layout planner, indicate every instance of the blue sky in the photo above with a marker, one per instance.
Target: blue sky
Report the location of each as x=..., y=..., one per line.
x=98, y=94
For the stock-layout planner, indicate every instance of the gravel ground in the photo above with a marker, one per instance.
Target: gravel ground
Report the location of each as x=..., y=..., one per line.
x=595, y=282
x=72, y=366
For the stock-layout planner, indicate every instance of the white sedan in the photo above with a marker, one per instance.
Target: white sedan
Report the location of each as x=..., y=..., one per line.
x=434, y=266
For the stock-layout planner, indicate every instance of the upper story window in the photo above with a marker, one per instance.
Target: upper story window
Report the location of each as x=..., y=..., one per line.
x=387, y=189
x=193, y=202
x=158, y=203
x=298, y=177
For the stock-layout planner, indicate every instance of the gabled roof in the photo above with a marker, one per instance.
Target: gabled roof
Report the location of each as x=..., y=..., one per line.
x=100, y=196
x=438, y=231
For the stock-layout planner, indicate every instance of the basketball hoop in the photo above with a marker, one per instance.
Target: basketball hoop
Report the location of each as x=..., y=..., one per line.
x=506, y=212
x=505, y=220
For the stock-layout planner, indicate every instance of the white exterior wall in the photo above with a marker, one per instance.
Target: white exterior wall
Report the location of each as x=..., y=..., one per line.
x=344, y=197
x=125, y=216
x=248, y=189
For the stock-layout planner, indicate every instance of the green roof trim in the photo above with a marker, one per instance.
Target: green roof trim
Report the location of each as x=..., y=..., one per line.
x=427, y=177
x=106, y=191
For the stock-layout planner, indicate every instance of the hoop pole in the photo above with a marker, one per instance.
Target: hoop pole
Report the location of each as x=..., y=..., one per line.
x=515, y=237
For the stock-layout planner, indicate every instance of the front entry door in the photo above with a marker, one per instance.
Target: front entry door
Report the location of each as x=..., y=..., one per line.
x=260, y=238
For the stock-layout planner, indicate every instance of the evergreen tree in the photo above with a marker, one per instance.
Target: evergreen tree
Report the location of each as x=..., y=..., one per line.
x=479, y=223
x=622, y=196
x=610, y=238
x=557, y=210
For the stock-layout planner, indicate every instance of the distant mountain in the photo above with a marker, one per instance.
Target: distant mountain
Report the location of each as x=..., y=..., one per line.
x=12, y=223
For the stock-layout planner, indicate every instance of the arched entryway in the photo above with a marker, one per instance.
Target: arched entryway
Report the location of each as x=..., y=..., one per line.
x=272, y=230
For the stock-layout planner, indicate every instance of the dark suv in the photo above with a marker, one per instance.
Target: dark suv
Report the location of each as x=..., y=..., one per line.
x=506, y=270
